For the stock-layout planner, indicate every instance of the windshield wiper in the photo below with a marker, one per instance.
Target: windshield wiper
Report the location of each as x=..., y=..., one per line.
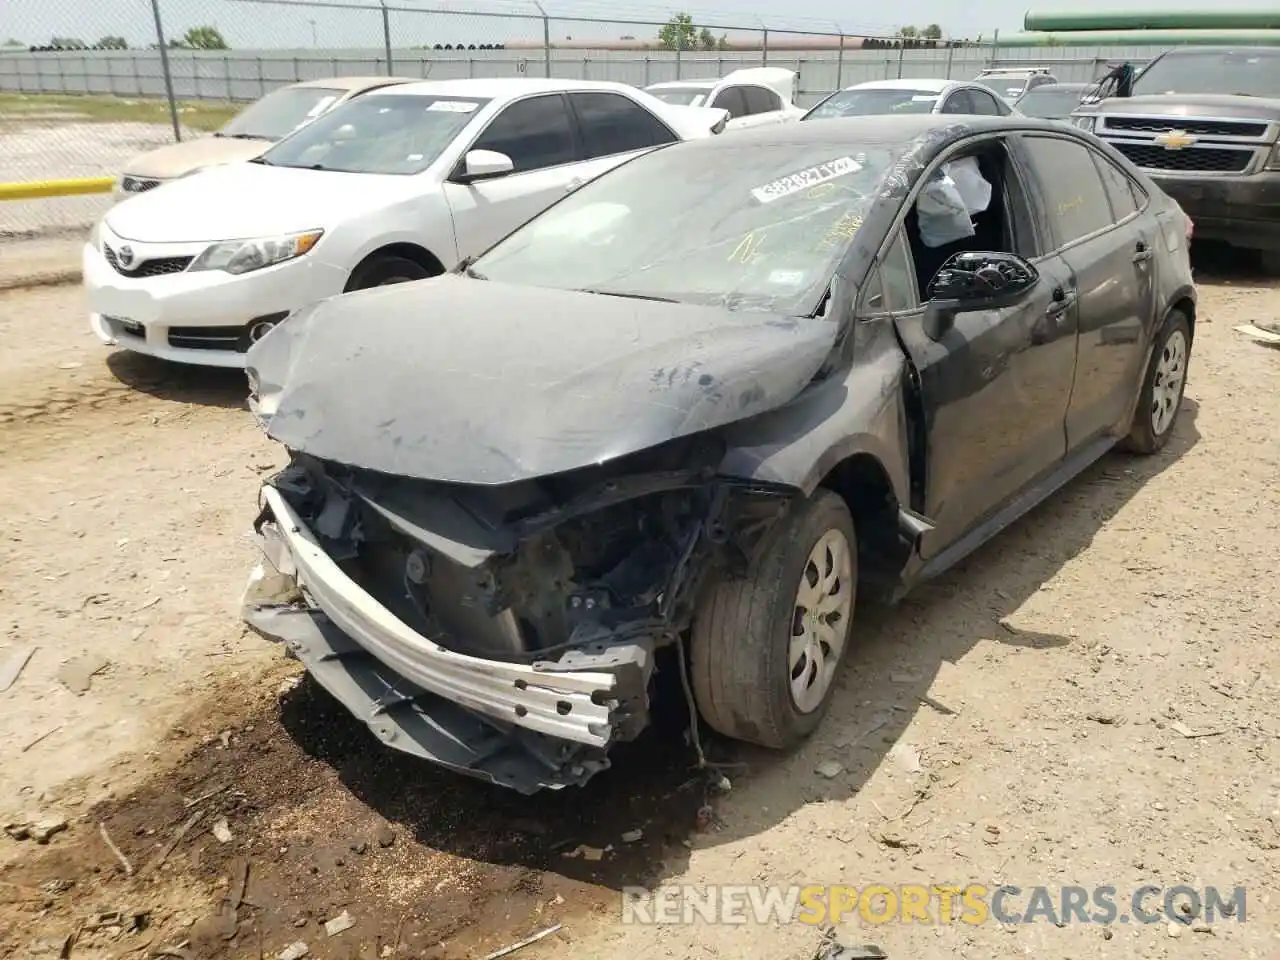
x=629, y=296
x=464, y=268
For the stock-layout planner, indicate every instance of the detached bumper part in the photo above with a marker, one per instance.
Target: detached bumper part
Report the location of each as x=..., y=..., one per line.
x=523, y=726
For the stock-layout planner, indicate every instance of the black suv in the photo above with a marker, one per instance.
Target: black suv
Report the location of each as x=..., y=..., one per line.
x=1204, y=123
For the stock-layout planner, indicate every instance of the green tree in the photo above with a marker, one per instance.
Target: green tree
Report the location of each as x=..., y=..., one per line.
x=67, y=43
x=908, y=32
x=11, y=42
x=113, y=43
x=204, y=38
x=932, y=32
x=706, y=39
x=678, y=33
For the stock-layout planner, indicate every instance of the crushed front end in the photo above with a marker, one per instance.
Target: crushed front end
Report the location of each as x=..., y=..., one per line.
x=506, y=632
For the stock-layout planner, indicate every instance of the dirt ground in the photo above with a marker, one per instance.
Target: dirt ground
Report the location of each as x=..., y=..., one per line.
x=1093, y=698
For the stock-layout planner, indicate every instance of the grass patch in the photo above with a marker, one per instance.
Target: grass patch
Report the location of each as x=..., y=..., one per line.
x=197, y=114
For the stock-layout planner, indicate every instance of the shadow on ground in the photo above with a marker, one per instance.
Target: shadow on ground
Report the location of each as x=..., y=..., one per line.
x=1219, y=263
x=181, y=383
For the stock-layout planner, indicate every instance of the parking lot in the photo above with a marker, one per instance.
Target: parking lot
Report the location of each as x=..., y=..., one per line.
x=1092, y=698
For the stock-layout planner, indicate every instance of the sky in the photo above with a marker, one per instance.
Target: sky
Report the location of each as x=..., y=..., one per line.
x=249, y=24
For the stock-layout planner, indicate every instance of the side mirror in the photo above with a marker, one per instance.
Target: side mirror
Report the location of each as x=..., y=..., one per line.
x=976, y=281
x=483, y=165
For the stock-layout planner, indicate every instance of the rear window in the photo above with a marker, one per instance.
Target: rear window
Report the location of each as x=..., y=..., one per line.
x=1050, y=102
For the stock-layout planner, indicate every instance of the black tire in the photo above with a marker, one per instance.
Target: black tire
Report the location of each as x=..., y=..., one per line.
x=386, y=270
x=1148, y=434
x=741, y=638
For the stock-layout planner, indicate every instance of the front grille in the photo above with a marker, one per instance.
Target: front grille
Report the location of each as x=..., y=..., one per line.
x=1199, y=128
x=138, y=184
x=1192, y=160
x=147, y=268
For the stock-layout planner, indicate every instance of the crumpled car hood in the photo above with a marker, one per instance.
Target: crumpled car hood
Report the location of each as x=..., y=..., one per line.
x=472, y=381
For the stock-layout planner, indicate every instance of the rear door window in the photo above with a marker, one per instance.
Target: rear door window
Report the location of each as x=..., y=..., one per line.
x=534, y=133
x=612, y=124
x=731, y=99
x=761, y=100
x=984, y=103
x=1125, y=201
x=959, y=102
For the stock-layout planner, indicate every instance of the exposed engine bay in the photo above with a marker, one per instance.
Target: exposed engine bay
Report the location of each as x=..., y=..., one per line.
x=516, y=623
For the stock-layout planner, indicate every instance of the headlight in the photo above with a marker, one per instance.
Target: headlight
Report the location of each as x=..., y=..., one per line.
x=1085, y=122
x=1274, y=162
x=242, y=256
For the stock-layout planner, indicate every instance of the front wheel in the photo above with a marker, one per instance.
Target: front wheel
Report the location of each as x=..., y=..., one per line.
x=1162, y=388
x=386, y=270
x=766, y=648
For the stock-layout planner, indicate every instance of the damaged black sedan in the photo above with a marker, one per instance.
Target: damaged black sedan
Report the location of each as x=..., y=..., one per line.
x=703, y=403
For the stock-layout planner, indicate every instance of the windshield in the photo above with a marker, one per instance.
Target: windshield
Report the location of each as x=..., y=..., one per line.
x=1249, y=73
x=754, y=227
x=680, y=96
x=281, y=112
x=382, y=133
x=1049, y=102
x=859, y=103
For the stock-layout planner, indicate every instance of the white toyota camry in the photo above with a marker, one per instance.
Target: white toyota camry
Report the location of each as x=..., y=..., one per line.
x=396, y=185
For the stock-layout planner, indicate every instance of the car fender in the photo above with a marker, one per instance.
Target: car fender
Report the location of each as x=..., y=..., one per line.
x=858, y=409
x=423, y=220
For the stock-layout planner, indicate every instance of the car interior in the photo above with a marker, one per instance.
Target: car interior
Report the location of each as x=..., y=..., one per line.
x=997, y=227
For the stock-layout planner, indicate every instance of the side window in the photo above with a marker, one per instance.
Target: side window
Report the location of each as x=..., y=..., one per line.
x=731, y=99
x=612, y=123
x=534, y=133
x=958, y=102
x=984, y=103
x=891, y=284
x=1075, y=201
x=761, y=100
x=1124, y=201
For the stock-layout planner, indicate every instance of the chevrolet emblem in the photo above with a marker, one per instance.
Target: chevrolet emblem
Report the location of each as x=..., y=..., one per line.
x=1176, y=139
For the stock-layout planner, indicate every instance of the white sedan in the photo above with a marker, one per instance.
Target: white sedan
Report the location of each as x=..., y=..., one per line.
x=396, y=185
x=753, y=96
x=911, y=96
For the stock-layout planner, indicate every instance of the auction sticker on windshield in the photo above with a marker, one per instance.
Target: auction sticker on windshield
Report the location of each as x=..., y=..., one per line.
x=453, y=106
x=802, y=180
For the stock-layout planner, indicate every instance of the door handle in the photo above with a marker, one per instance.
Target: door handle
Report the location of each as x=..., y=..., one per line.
x=1141, y=254
x=1063, y=300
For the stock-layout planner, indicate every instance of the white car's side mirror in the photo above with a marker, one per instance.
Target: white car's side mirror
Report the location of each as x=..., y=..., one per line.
x=484, y=165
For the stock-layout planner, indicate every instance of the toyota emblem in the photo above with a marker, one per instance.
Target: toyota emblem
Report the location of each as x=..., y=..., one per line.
x=125, y=254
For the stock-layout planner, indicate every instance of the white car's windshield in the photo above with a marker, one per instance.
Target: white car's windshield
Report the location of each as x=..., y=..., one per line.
x=756, y=227
x=680, y=96
x=1049, y=102
x=378, y=133
x=858, y=103
x=1250, y=73
x=281, y=112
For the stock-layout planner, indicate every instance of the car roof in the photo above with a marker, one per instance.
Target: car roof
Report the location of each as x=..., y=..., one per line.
x=353, y=83
x=1061, y=85
x=931, y=84
x=500, y=87
x=678, y=84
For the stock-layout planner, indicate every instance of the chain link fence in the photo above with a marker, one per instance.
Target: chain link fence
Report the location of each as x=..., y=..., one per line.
x=82, y=92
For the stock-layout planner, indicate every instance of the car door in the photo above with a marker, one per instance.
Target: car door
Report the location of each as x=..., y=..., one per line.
x=613, y=128
x=994, y=388
x=764, y=106
x=732, y=99
x=539, y=136
x=1109, y=245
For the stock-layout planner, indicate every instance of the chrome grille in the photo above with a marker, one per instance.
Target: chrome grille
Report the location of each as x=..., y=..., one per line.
x=147, y=268
x=1198, y=128
x=1191, y=160
x=138, y=184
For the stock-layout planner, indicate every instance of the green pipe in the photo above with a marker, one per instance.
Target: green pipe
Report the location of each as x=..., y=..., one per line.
x=1065, y=21
x=1143, y=38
